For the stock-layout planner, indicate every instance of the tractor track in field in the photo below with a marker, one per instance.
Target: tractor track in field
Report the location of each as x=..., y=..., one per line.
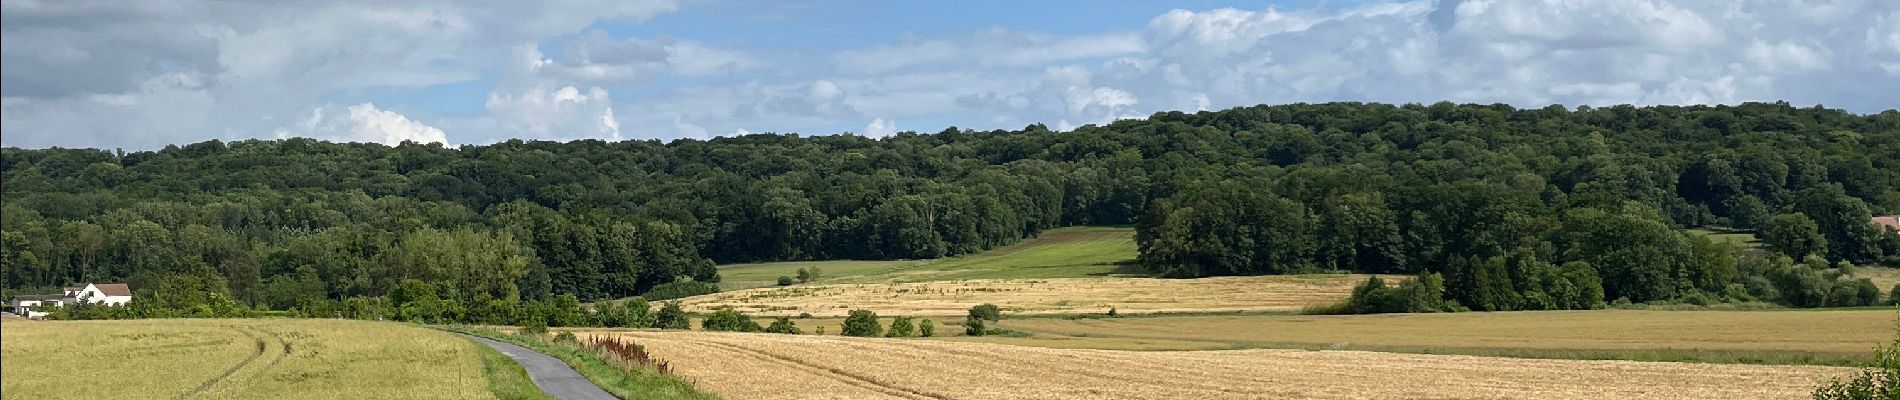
x=843, y=376
x=263, y=347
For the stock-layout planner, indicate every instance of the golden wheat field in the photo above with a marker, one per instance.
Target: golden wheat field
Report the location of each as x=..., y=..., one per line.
x=236, y=359
x=1040, y=296
x=767, y=366
x=1841, y=332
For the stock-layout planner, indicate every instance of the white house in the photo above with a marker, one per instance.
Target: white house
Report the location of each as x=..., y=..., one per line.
x=111, y=294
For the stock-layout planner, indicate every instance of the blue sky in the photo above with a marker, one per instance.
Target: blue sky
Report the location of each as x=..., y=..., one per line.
x=145, y=74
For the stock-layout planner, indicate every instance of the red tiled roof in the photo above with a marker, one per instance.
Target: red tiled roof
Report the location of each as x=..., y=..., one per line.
x=1891, y=222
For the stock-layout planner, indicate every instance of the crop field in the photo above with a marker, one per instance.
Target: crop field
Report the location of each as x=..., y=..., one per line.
x=1789, y=337
x=1040, y=296
x=768, y=366
x=1740, y=238
x=236, y=359
x=1076, y=252
x=746, y=276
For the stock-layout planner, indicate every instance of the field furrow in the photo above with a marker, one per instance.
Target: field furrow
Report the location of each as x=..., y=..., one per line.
x=764, y=366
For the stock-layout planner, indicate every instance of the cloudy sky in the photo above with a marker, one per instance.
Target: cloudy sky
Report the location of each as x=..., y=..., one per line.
x=143, y=74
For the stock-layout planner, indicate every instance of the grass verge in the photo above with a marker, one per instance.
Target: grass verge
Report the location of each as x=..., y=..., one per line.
x=632, y=383
x=506, y=378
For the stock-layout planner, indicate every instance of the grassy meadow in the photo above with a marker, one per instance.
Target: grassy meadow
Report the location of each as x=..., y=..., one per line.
x=237, y=359
x=1075, y=252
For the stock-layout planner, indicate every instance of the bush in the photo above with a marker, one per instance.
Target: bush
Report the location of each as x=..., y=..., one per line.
x=534, y=326
x=804, y=276
x=671, y=316
x=1878, y=381
x=679, y=289
x=1111, y=311
x=784, y=280
x=1893, y=296
x=987, y=312
x=729, y=320
x=973, y=326
x=901, y=327
x=784, y=325
x=861, y=323
x=1422, y=294
x=927, y=328
x=566, y=337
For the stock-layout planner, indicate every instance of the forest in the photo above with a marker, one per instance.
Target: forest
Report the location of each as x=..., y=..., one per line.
x=1544, y=208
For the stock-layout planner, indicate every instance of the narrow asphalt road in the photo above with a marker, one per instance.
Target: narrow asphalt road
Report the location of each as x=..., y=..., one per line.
x=553, y=376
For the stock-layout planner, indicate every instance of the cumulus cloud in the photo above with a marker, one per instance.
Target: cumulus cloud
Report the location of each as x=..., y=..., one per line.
x=880, y=128
x=146, y=74
x=363, y=123
x=114, y=74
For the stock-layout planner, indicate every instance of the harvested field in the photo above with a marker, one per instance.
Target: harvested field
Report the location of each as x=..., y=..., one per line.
x=1790, y=337
x=767, y=366
x=236, y=359
x=1040, y=296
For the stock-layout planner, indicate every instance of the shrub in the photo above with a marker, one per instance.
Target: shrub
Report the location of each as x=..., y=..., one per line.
x=804, y=315
x=1878, y=381
x=639, y=313
x=804, y=276
x=1111, y=311
x=862, y=323
x=729, y=320
x=1893, y=296
x=987, y=312
x=784, y=280
x=679, y=289
x=927, y=328
x=1422, y=294
x=901, y=327
x=671, y=316
x=973, y=326
x=785, y=325
x=566, y=337
x=534, y=326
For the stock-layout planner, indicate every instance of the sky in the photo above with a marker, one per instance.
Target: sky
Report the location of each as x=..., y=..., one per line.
x=144, y=74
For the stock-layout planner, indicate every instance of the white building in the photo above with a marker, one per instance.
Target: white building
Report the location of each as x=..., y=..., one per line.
x=35, y=306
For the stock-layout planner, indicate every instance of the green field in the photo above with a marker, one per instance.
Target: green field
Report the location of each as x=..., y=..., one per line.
x=1742, y=239
x=1825, y=337
x=1075, y=252
x=246, y=359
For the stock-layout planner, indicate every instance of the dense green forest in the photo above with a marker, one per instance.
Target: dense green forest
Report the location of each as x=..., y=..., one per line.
x=1515, y=208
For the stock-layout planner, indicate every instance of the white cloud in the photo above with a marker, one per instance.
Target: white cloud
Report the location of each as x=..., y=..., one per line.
x=363, y=123
x=880, y=128
x=565, y=113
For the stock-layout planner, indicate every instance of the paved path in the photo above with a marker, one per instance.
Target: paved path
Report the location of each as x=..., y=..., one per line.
x=553, y=376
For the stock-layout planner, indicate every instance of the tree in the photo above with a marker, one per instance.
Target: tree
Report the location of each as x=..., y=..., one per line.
x=784, y=325
x=901, y=327
x=861, y=323
x=671, y=316
x=927, y=328
x=729, y=320
x=973, y=326
x=986, y=311
x=1794, y=235
x=804, y=276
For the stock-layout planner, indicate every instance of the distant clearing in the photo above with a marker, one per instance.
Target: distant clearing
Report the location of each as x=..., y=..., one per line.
x=1076, y=252
x=237, y=359
x=1793, y=337
x=1740, y=238
x=770, y=366
x=1040, y=296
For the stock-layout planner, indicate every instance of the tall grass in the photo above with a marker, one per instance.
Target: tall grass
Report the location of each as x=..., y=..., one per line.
x=620, y=375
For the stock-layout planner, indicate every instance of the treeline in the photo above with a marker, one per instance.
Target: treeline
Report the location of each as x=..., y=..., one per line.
x=1474, y=192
